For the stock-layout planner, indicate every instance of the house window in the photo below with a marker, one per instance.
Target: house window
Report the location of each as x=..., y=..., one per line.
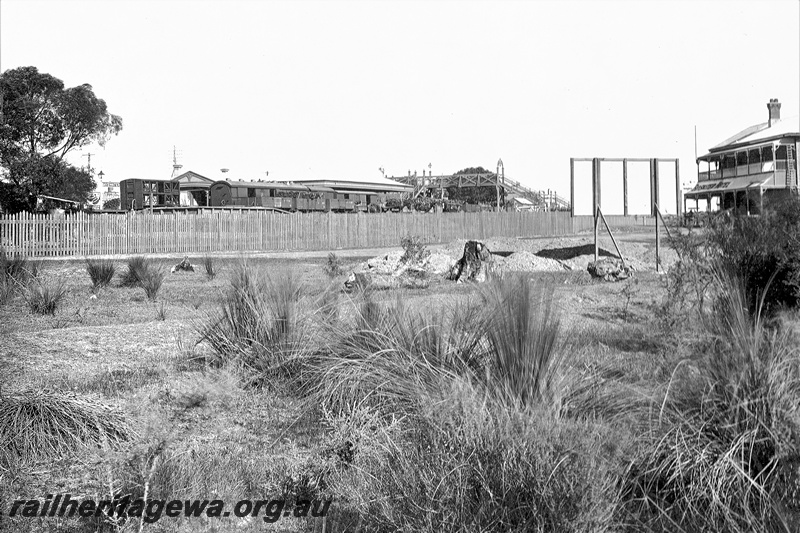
x=346, y=196
x=251, y=192
x=741, y=158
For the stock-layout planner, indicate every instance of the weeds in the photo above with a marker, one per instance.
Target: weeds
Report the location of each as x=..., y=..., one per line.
x=161, y=312
x=210, y=268
x=414, y=250
x=333, y=266
x=101, y=272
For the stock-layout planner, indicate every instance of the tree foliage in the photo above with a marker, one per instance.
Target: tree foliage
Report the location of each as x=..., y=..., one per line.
x=41, y=121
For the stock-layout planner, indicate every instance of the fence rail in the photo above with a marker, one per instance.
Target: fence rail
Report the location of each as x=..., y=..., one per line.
x=82, y=235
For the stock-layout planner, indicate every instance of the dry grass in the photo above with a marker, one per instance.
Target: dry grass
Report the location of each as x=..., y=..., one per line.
x=36, y=425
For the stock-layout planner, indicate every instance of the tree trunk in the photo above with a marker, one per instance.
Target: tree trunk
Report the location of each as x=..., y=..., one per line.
x=473, y=265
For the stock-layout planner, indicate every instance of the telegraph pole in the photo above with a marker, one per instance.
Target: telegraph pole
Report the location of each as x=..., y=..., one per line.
x=88, y=162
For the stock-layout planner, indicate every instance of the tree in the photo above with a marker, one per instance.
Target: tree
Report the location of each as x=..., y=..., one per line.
x=485, y=194
x=40, y=123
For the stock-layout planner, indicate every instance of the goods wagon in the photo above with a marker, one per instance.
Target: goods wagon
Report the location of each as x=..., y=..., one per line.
x=139, y=194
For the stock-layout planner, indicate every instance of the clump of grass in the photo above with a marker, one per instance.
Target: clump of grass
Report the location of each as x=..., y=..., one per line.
x=211, y=270
x=722, y=453
x=161, y=312
x=16, y=273
x=138, y=266
x=426, y=414
x=101, y=272
x=333, y=266
x=39, y=424
x=44, y=297
x=261, y=323
x=151, y=280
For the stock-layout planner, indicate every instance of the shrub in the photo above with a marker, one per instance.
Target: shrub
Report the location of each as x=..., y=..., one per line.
x=38, y=424
x=151, y=280
x=414, y=250
x=333, y=266
x=764, y=252
x=43, y=297
x=101, y=272
x=137, y=267
x=208, y=263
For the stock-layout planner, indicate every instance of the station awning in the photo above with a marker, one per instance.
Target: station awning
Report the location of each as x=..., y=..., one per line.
x=727, y=185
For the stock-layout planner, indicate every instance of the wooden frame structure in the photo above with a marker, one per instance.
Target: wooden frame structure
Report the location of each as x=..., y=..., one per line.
x=596, y=196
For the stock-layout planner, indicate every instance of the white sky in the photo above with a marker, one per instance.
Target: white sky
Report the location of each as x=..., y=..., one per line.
x=334, y=89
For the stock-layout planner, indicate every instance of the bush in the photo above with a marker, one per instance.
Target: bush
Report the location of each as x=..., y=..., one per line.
x=764, y=252
x=414, y=250
x=333, y=266
x=101, y=271
x=43, y=297
x=137, y=267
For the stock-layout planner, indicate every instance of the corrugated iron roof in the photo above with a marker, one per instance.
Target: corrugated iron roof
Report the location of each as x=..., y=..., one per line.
x=760, y=132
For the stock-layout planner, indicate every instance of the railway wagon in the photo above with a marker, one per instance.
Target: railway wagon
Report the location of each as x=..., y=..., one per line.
x=140, y=194
x=277, y=195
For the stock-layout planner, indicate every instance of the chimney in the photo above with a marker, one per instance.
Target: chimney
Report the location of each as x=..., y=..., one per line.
x=774, y=110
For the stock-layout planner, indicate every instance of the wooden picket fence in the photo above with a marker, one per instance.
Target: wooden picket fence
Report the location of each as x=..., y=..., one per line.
x=83, y=235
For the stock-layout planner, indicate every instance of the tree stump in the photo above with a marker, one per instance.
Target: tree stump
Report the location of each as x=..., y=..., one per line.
x=473, y=265
x=184, y=265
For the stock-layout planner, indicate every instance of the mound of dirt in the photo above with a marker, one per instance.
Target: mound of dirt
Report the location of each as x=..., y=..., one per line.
x=525, y=261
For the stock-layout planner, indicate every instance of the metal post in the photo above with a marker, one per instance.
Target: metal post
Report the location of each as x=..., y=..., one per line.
x=596, y=202
x=652, y=187
x=625, y=187
x=658, y=239
x=678, y=205
x=572, y=186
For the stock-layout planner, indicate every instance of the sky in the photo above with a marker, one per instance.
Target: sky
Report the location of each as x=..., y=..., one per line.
x=336, y=89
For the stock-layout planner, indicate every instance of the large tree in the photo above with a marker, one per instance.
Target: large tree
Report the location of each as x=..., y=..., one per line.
x=41, y=121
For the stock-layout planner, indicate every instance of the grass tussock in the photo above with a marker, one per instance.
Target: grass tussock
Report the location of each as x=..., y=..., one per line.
x=137, y=267
x=39, y=424
x=261, y=325
x=16, y=273
x=433, y=430
x=151, y=281
x=724, y=450
x=101, y=272
x=44, y=296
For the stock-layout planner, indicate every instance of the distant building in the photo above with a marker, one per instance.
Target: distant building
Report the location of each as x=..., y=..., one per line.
x=520, y=204
x=194, y=189
x=757, y=162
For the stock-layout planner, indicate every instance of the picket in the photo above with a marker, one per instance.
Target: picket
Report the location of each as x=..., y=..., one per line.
x=83, y=234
